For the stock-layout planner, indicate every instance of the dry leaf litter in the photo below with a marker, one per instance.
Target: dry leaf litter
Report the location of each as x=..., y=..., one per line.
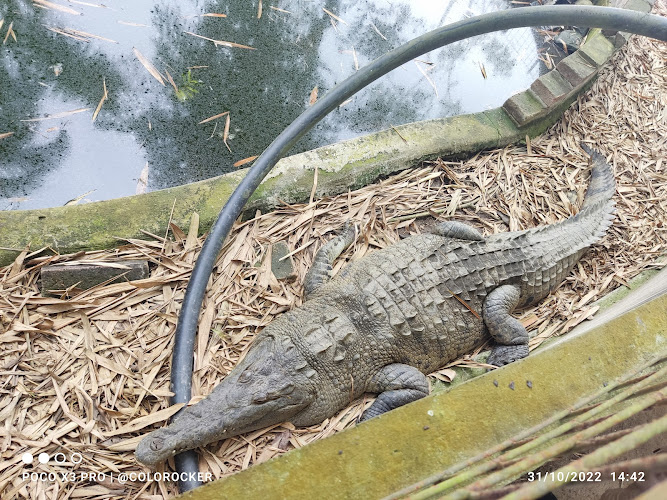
x=89, y=374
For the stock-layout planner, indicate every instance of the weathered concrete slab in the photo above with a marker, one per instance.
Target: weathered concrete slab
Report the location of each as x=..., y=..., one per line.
x=84, y=275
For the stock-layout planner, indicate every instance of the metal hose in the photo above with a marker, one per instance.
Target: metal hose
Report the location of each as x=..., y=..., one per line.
x=566, y=15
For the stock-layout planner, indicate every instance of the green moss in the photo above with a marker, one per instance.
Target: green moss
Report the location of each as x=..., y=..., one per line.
x=107, y=223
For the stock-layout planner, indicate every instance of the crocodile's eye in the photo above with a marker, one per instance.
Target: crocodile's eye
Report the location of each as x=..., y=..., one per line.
x=245, y=377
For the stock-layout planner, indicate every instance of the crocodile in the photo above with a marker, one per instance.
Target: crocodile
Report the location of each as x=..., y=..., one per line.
x=388, y=319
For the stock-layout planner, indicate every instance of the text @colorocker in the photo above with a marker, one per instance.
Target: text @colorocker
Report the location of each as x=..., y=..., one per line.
x=117, y=477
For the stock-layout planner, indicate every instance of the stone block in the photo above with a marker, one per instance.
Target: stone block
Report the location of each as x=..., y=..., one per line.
x=551, y=88
x=84, y=275
x=576, y=69
x=637, y=5
x=618, y=38
x=525, y=107
x=570, y=40
x=281, y=265
x=597, y=49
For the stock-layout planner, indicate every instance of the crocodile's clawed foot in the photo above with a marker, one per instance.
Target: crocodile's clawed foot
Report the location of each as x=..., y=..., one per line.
x=505, y=354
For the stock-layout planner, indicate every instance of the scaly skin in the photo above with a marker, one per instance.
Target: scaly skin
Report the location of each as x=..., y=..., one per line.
x=387, y=320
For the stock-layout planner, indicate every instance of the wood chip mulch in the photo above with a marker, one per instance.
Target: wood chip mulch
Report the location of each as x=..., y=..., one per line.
x=89, y=374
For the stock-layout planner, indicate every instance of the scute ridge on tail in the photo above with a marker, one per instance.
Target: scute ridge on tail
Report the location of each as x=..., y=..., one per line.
x=602, y=185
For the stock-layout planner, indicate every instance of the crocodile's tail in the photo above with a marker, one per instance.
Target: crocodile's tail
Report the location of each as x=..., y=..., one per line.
x=602, y=185
x=561, y=244
x=598, y=206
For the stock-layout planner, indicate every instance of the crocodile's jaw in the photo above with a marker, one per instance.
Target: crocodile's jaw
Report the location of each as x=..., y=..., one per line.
x=192, y=430
x=261, y=391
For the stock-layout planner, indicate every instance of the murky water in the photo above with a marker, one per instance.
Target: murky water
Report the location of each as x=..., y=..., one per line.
x=57, y=65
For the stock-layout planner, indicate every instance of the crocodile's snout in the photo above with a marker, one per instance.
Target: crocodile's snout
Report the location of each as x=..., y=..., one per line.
x=264, y=389
x=153, y=449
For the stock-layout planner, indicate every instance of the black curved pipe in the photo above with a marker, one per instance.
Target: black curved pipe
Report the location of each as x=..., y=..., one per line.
x=565, y=15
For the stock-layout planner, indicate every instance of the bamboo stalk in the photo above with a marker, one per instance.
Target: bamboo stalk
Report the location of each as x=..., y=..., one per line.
x=599, y=457
x=532, y=462
x=649, y=464
x=487, y=466
x=654, y=463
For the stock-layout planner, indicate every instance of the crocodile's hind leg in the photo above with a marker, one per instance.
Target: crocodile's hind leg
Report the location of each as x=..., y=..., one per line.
x=508, y=332
x=398, y=384
x=457, y=230
x=320, y=272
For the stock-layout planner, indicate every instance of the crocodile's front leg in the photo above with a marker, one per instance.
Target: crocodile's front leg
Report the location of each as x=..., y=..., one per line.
x=507, y=331
x=398, y=384
x=320, y=271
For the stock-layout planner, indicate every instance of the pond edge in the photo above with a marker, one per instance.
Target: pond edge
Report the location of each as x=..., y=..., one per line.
x=343, y=166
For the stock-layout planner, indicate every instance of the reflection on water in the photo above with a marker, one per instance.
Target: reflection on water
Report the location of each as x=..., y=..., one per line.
x=65, y=53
